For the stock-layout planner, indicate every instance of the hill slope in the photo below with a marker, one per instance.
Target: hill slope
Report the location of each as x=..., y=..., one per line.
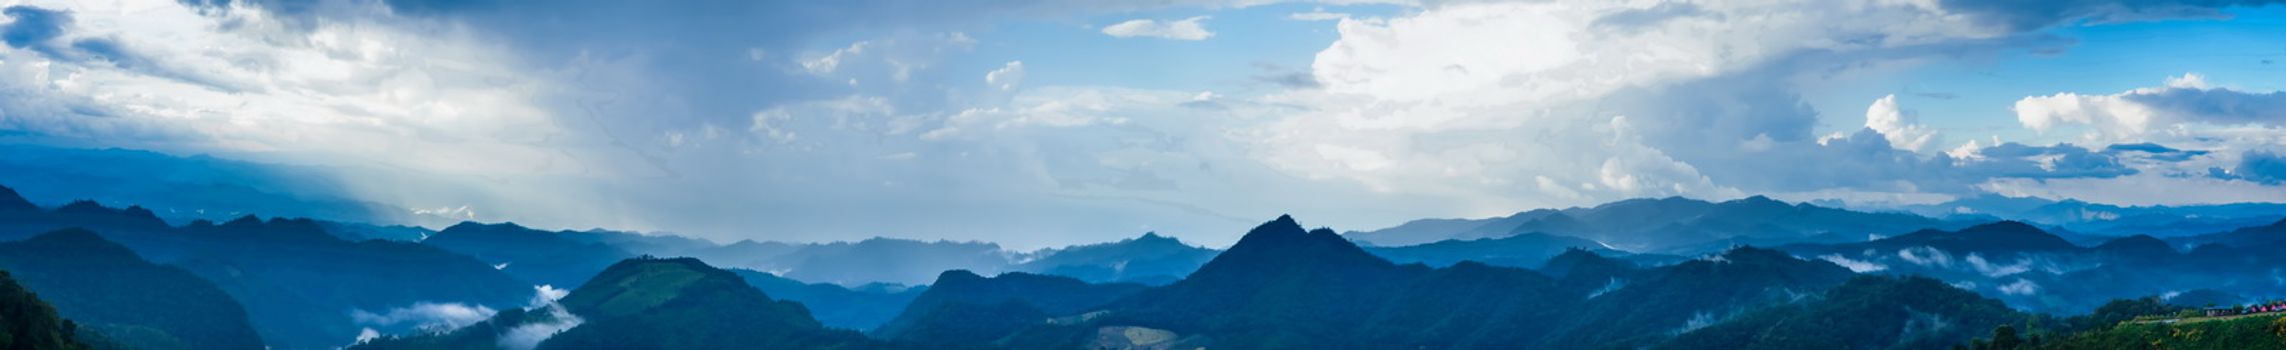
x=113, y=293
x=28, y=323
x=1283, y=287
x=649, y=303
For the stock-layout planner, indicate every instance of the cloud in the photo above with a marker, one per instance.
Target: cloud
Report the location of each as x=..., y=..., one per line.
x=1901, y=127
x=1926, y=256
x=1629, y=19
x=1317, y=15
x=1854, y=265
x=1007, y=77
x=2134, y=114
x=2020, y=287
x=1193, y=28
x=2024, y=15
x=1996, y=270
x=2256, y=165
x=426, y=315
x=548, y=319
x=678, y=113
x=33, y=25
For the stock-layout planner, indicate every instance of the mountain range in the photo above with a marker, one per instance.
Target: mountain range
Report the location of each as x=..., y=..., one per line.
x=1648, y=273
x=2036, y=270
x=1672, y=225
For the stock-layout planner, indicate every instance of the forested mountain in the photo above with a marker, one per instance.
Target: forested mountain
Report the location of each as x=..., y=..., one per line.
x=2105, y=219
x=1868, y=312
x=112, y=293
x=2250, y=236
x=2038, y=271
x=963, y=309
x=1525, y=250
x=1150, y=259
x=858, y=308
x=1672, y=225
x=535, y=256
x=648, y=303
x=301, y=287
x=1285, y=287
x=28, y=323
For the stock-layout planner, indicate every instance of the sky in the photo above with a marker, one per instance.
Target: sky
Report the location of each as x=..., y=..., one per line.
x=1044, y=123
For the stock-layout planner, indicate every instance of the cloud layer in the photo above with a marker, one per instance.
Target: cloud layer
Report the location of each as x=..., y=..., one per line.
x=810, y=121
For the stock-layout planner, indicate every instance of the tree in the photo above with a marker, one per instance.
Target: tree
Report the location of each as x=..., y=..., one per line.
x=2004, y=337
x=2279, y=328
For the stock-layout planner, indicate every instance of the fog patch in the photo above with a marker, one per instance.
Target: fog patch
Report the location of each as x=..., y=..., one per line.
x=428, y=316
x=1854, y=265
x=550, y=318
x=1989, y=269
x=1698, y=320
x=1926, y=256
x=1615, y=284
x=366, y=335
x=2020, y=287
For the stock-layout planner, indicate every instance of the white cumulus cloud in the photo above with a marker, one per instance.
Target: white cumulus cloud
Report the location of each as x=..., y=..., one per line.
x=1007, y=77
x=1901, y=127
x=1193, y=28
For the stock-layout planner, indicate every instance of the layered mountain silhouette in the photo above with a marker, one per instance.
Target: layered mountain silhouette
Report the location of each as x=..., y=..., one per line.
x=535, y=256
x=131, y=303
x=2105, y=219
x=2033, y=269
x=1646, y=273
x=1522, y=250
x=963, y=309
x=186, y=188
x=2271, y=234
x=1149, y=259
x=649, y=303
x=1868, y=312
x=860, y=308
x=299, y=285
x=1282, y=286
x=1670, y=225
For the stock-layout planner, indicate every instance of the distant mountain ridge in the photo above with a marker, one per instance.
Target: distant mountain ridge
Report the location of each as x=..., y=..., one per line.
x=299, y=285
x=648, y=303
x=2105, y=219
x=1670, y=225
x=2034, y=269
x=536, y=256
x=1284, y=287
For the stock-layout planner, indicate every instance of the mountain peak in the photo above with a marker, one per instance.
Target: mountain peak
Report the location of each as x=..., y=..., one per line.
x=955, y=277
x=2138, y=245
x=481, y=227
x=638, y=284
x=2012, y=226
x=83, y=206
x=248, y=220
x=1153, y=236
x=1282, y=245
x=10, y=201
x=77, y=242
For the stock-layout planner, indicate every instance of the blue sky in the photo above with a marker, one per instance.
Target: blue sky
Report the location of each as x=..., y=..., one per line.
x=1039, y=123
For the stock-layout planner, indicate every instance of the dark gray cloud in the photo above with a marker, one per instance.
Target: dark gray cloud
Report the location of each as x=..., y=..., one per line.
x=32, y=26
x=2034, y=14
x=2216, y=105
x=2153, y=151
x=2257, y=166
x=1630, y=20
